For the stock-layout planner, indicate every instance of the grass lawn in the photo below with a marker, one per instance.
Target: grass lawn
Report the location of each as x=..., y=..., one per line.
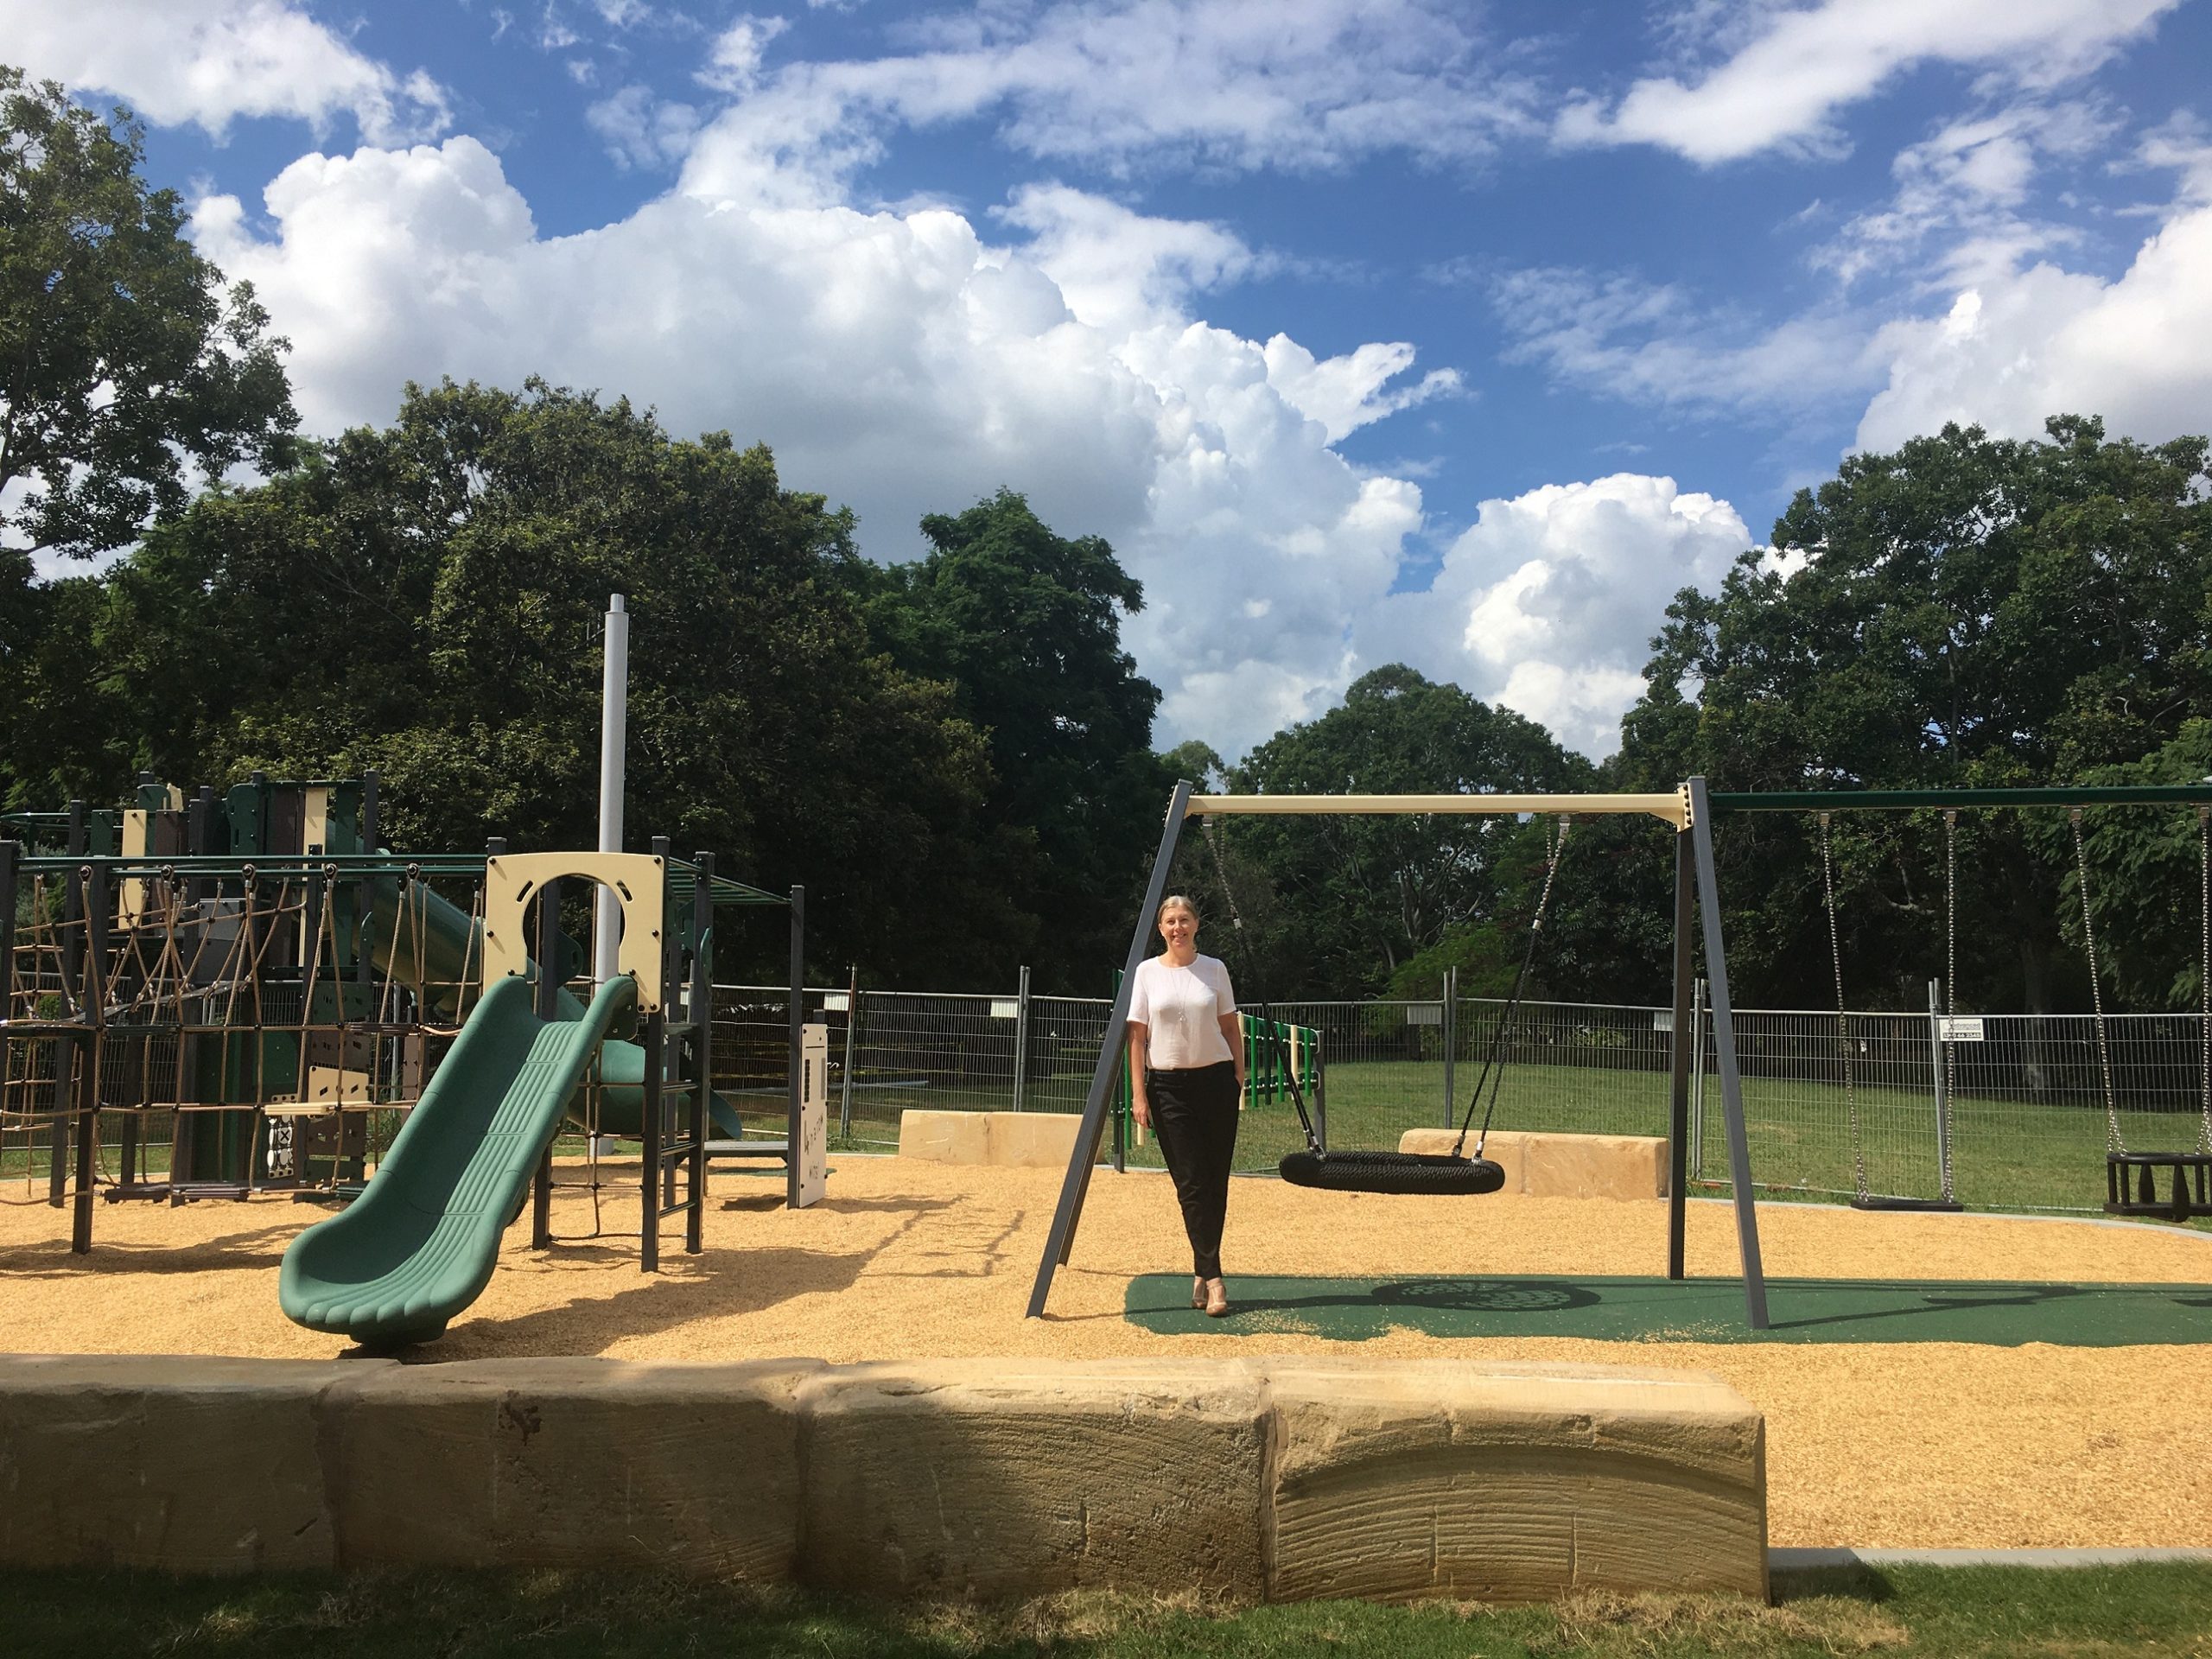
x=2006, y=1153
x=2113, y=1612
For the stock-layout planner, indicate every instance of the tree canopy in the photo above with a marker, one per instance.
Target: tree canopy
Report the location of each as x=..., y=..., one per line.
x=1965, y=612
x=123, y=360
x=1024, y=627
x=1353, y=899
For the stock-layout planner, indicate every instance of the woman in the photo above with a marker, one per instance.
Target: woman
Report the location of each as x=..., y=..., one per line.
x=1186, y=1077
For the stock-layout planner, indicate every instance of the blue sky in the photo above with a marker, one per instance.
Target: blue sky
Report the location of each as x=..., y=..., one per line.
x=1366, y=329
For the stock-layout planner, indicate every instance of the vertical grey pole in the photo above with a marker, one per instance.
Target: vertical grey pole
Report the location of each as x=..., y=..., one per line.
x=613, y=738
x=852, y=1025
x=545, y=998
x=1724, y=1041
x=1111, y=1047
x=1935, y=1046
x=1697, y=1078
x=92, y=1000
x=1020, y=1036
x=11, y=853
x=1683, y=1045
x=72, y=950
x=1450, y=1044
x=699, y=1012
x=797, y=1039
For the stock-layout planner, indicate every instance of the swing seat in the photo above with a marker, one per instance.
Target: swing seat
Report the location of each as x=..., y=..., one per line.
x=1426, y=1173
x=2132, y=1189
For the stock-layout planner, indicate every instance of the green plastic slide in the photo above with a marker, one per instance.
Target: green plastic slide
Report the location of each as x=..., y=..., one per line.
x=419, y=1245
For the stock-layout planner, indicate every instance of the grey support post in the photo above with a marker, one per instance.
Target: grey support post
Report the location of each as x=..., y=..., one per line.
x=1111, y=1047
x=1683, y=1045
x=796, y=1048
x=1724, y=1040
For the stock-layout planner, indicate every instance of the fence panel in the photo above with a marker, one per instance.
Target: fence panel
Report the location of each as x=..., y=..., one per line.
x=2026, y=1113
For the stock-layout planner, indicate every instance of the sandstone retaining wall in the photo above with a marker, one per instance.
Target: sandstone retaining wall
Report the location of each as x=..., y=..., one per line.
x=1264, y=1478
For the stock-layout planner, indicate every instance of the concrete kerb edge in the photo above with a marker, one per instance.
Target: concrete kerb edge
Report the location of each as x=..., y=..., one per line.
x=1806, y=1560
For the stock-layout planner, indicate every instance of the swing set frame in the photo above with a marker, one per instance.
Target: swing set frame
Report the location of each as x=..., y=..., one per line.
x=1689, y=810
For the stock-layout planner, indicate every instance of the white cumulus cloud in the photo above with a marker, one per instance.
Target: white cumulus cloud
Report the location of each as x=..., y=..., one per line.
x=1548, y=603
x=900, y=362
x=210, y=62
x=1783, y=86
x=2020, y=344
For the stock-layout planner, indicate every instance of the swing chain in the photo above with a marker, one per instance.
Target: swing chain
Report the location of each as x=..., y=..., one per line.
x=1221, y=873
x=1950, y=981
x=2114, y=1142
x=2204, y=974
x=1842, y=1020
x=1493, y=1071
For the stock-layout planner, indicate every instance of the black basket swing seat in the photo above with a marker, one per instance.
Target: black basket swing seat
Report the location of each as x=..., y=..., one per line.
x=1433, y=1174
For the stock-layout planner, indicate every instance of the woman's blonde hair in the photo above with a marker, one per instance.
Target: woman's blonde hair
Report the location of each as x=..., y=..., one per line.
x=1178, y=902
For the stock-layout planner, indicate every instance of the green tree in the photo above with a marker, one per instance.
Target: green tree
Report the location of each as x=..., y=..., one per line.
x=424, y=599
x=1969, y=612
x=1025, y=626
x=122, y=360
x=2146, y=879
x=1357, y=897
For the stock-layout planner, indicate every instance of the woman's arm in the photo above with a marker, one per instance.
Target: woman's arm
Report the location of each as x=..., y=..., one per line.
x=1140, y=1047
x=1232, y=1029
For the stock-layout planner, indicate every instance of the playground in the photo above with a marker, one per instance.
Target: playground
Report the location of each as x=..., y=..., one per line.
x=1950, y=1436
x=460, y=1131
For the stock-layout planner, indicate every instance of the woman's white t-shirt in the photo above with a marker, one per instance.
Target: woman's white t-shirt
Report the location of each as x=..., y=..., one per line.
x=1182, y=1007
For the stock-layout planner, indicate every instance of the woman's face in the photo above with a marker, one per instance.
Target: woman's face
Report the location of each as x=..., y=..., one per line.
x=1180, y=928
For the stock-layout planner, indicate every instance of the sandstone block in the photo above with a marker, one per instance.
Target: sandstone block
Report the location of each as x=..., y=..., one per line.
x=1511, y=1483
x=191, y=1465
x=1008, y=1478
x=1595, y=1165
x=1544, y=1165
x=574, y=1463
x=1033, y=1140
x=945, y=1137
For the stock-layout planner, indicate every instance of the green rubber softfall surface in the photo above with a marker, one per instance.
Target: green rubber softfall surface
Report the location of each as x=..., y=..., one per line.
x=1995, y=1314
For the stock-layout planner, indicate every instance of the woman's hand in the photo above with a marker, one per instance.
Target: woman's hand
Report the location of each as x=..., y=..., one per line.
x=1140, y=1049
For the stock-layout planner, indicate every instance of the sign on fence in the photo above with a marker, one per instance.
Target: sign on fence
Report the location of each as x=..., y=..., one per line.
x=1959, y=1028
x=1005, y=1010
x=836, y=1002
x=1424, y=1014
x=1662, y=1019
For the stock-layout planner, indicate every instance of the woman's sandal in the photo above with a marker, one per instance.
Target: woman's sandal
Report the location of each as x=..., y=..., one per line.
x=1197, y=1293
x=1217, y=1299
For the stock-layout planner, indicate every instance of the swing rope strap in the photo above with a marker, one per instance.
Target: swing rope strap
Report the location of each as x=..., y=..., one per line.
x=1493, y=1071
x=1842, y=1020
x=2204, y=977
x=2114, y=1142
x=1288, y=1071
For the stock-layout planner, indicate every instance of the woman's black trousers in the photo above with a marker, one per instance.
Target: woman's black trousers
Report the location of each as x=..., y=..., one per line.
x=1194, y=1114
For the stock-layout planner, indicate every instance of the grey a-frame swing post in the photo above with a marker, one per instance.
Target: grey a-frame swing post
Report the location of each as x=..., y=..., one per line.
x=1077, y=1183
x=1724, y=1043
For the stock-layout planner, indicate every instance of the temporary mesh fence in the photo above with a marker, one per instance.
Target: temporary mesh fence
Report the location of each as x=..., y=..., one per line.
x=2022, y=1124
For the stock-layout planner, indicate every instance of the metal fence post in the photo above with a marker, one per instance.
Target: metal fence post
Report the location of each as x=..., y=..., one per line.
x=1020, y=1036
x=793, y=1057
x=1697, y=1080
x=1450, y=1044
x=852, y=1025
